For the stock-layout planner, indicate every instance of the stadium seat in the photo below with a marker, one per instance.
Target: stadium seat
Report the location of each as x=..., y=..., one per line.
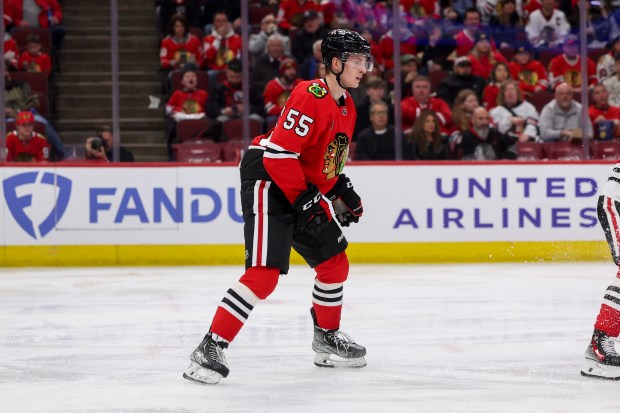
x=530, y=151
x=605, y=150
x=563, y=151
x=596, y=54
x=232, y=151
x=192, y=129
x=545, y=56
x=21, y=34
x=256, y=13
x=436, y=77
x=351, y=154
x=198, y=152
x=233, y=129
x=36, y=81
x=203, y=80
x=508, y=53
x=540, y=99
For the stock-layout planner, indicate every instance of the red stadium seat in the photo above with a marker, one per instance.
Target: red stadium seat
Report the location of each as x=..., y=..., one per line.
x=192, y=129
x=232, y=151
x=256, y=13
x=563, y=151
x=508, y=53
x=436, y=77
x=198, y=152
x=540, y=99
x=21, y=34
x=545, y=57
x=596, y=54
x=36, y=81
x=605, y=150
x=233, y=129
x=530, y=151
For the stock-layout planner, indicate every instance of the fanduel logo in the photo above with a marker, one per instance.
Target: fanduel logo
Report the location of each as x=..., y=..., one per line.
x=18, y=204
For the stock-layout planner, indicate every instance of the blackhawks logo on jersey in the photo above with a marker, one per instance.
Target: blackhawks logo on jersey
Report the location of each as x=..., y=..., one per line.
x=335, y=156
x=317, y=90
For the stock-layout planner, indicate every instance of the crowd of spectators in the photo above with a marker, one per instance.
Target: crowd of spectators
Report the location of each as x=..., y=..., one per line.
x=493, y=73
x=513, y=63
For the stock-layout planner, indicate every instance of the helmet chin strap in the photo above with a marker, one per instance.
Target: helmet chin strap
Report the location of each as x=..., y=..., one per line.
x=338, y=78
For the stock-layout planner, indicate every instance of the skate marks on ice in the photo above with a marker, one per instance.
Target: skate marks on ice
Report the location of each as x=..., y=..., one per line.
x=446, y=338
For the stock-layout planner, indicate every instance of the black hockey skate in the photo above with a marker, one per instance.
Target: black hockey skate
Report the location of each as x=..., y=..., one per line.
x=602, y=359
x=208, y=363
x=334, y=348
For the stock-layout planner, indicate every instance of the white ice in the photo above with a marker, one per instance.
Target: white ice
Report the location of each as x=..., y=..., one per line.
x=440, y=338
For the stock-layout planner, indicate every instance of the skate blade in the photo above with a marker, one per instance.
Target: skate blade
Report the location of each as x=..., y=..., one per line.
x=594, y=369
x=195, y=372
x=334, y=361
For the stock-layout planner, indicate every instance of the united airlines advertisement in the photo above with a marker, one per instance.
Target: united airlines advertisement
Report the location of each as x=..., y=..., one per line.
x=200, y=205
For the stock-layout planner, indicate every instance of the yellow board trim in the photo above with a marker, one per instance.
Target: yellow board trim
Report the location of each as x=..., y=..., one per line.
x=367, y=253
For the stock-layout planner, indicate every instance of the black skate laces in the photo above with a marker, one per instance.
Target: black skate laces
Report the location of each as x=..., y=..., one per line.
x=607, y=345
x=215, y=350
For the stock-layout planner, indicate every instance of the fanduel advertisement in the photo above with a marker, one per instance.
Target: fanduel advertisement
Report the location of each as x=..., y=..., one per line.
x=200, y=205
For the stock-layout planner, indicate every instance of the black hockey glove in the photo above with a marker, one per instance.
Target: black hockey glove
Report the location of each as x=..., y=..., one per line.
x=347, y=203
x=313, y=210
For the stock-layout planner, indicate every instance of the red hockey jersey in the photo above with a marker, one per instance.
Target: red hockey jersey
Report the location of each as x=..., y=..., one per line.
x=39, y=64
x=218, y=51
x=610, y=113
x=193, y=101
x=276, y=94
x=35, y=150
x=310, y=142
x=410, y=109
x=171, y=50
x=482, y=66
x=532, y=76
x=293, y=12
x=11, y=53
x=561, y=70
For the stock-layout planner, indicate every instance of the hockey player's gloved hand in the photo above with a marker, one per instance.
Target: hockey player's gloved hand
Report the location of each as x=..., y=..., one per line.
x=347, y=203
x=313, y=210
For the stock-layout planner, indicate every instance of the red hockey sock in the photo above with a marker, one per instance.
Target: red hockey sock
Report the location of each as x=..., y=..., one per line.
x=255, y=285
x=327, y=293
x=608, y=320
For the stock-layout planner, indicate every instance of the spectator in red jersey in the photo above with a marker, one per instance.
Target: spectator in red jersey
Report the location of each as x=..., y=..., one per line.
x=483, y=57
x=530, y=73
x=567, y=66
x=180, y=48
x=293, y=11
x=187, y=103
x=44, y=14
x=24, y=144
x=422, y=99
x=226, y=101
x=279, y=89
x=465, y=38
x=601, y=111
x=33, y=59
x=222, y=45
x=499, y=75
x=312, y=30
x=11, y=52
x=386, y=47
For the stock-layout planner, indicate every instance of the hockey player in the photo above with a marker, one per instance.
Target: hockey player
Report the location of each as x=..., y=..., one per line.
x=602, y=359
x=288, y=178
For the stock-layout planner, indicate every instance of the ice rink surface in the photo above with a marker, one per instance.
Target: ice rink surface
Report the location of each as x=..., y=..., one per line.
x=440, y=338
